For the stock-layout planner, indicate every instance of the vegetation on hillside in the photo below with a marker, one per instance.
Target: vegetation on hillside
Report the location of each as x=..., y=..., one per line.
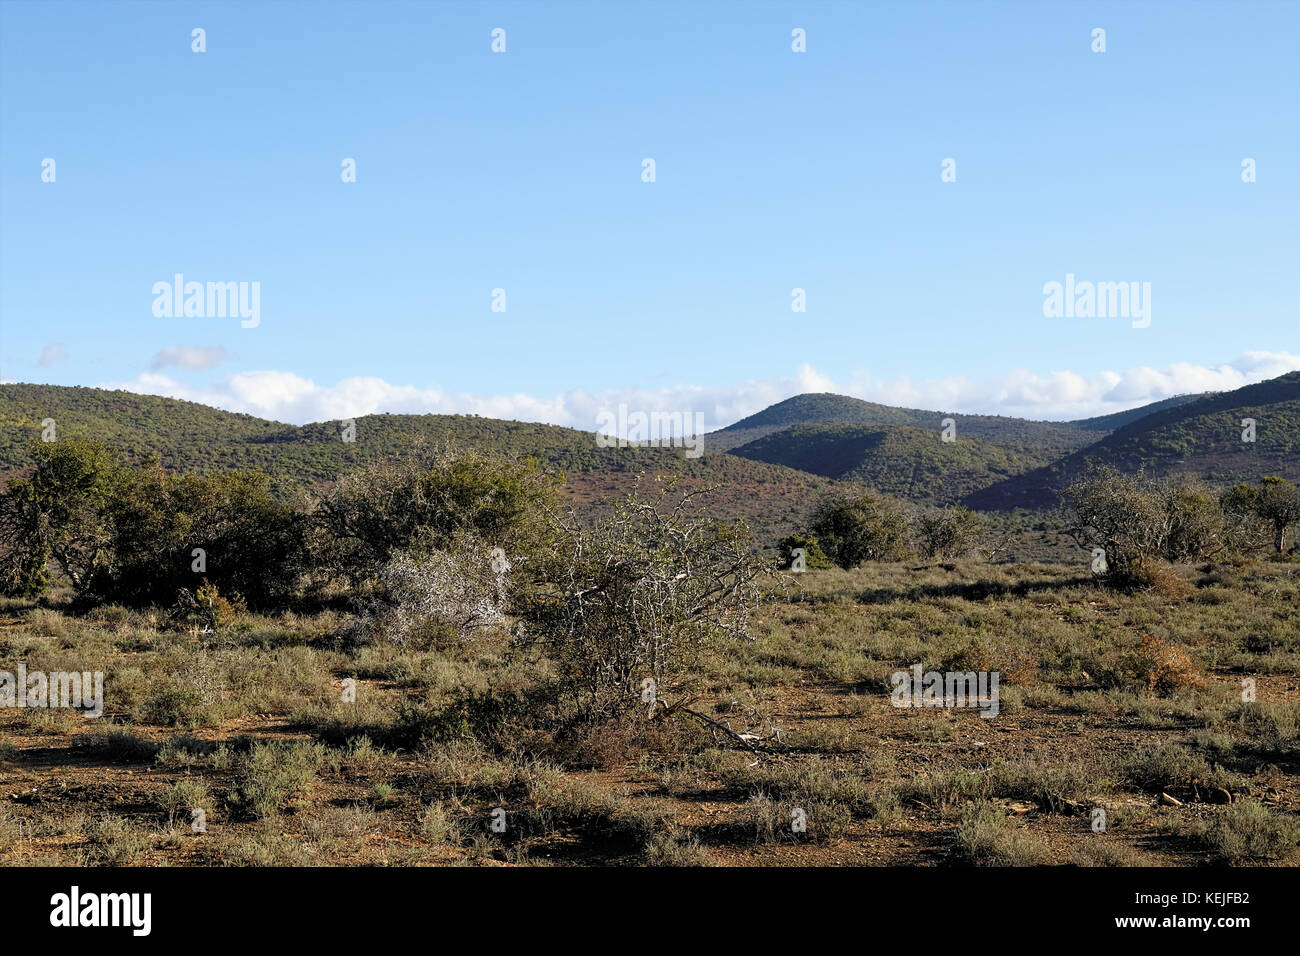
x=1205, y=438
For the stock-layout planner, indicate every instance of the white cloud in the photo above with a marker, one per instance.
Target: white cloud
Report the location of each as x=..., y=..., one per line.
x=284, y=396
x=189, y=356
x=52, y=354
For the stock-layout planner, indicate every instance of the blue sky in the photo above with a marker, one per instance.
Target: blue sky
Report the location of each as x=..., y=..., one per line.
x=523, y=171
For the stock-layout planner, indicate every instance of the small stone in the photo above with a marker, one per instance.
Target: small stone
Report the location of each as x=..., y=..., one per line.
x=1169, y=801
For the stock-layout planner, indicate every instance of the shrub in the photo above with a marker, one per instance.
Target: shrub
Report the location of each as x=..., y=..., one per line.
x=1275, y=504
x=815, y=558
x=1101, y=852
x=115, y=842
x=58, y=513
x=1161, y=667
x=1137, y=520
x=207, y=609
x=234, y=518
x=987, y=836
x=642, y=594
x=1145, y=573
x=428, y=594
x=1249, y=832
x=372, y=514
x=275, y=773
x=948, y=532
x=1171, y=767
x=439, y=827
x=861, y=527
x=184, y=796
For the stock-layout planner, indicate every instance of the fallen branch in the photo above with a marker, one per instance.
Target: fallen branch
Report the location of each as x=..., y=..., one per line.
x=751, y=742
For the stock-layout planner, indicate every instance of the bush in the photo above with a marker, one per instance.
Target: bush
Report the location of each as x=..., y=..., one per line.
x=427, y=595
x=128, y=534
x=275, y=773
x=185, y=796
x=207, y=609
x=861, y=527
x=242, y=528
x=987, y=836
x=1273, y=506
x=1249, y=832
x=1136, y=521
x=112, y=841
x=57, y=513
x=814, y=557
x=1145, y=573
x=642, y=594
x=947, y=532
x=1161, y=667
x=371, y=515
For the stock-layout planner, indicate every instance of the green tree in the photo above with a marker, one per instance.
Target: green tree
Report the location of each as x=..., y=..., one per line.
x=863, y=526
x=1278, y=504
x=58, y=513
x=815, y=558
x=948, y=532
x=252, y=543
x=371, y=514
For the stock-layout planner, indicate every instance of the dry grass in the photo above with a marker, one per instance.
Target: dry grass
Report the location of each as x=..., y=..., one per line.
x=1108, y=699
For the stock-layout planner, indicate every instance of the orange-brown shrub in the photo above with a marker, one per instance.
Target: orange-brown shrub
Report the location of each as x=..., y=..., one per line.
x=1162, y=667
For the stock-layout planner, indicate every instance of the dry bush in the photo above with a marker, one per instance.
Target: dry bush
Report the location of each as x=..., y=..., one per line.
x=626, y=738
x=428, y=595
x=641, y=595
x=1161, y=667
x=1014, y=664
x=1151, y=575
x=207, y=608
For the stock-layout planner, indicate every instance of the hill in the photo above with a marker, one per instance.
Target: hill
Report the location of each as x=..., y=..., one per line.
x=1202, y=437
x=1041, y=441
x=190, y=437
x=1108, y=423
x=912, y=463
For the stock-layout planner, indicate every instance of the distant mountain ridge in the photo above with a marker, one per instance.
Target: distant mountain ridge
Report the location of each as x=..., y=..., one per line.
x=781, y=461
x=825, y=408
x=190, y=437
x=1202, y=437
x=913, y=463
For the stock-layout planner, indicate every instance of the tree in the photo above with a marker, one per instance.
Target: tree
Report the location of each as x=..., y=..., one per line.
x=1258, y=513
x=1279, y=504
x=250, y=542
x=640, y=595
x=1119, y=513
x=371, y=514
x=1136, y=520
x=859, y=527
x=1198, y=526
x=814, y=558
x=948, y=532
x=58, y=513
x=1247, y=531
